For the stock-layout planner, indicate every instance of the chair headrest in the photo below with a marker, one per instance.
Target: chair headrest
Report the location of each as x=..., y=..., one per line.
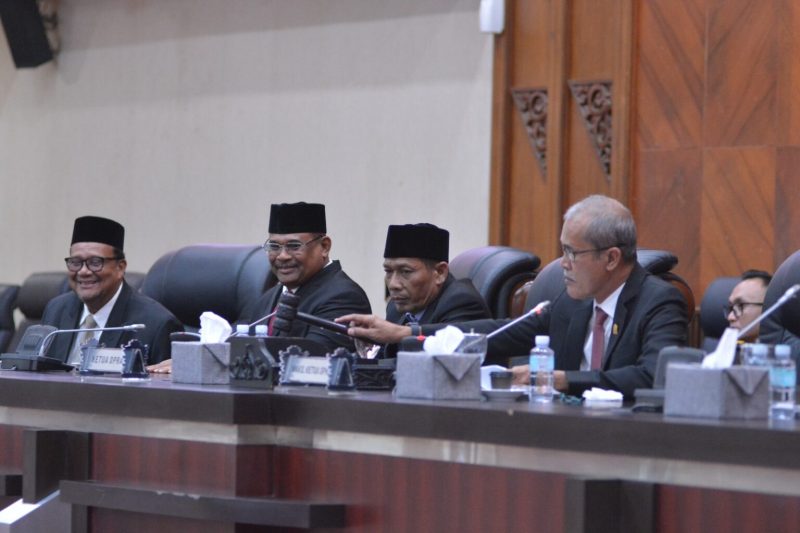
x=8, y=301
x=491, y=267
x=221, y=278
x=712, y=319
x=38, y=289
x=788, y=316
x=656, y=261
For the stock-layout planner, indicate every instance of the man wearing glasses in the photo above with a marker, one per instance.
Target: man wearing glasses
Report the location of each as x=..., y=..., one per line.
x=746, y=302
x=298, y=250
x=101, y=298
x=607, y=326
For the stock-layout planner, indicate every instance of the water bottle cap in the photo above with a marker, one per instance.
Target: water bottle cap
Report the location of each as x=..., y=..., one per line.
x=241, y=328
x=782, y=351
x=542, y=341
x=261, y=330
x=759, y=349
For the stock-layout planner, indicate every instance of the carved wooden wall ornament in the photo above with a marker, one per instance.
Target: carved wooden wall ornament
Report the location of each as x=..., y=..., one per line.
x=532, y=107
x=594, y=103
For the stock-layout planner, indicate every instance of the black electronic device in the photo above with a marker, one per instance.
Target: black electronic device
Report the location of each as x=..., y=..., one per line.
x=652, y=400
x=27, y=358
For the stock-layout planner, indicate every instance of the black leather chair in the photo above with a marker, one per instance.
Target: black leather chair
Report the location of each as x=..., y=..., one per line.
x=783, y=326
x=496, y=271
x=221, y=278
x=37, y=289
x=712, y=318
x=8, y=302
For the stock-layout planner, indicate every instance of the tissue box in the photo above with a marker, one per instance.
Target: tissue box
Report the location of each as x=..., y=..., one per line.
x=438, y=377
x=740, y=392
x=196, y=362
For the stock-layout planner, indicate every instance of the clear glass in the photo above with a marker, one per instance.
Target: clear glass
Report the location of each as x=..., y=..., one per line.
x=474, y=343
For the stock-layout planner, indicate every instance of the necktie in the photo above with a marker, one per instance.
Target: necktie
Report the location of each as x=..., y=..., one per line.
x=82, y=338
x=409, y=320
x=598, y=338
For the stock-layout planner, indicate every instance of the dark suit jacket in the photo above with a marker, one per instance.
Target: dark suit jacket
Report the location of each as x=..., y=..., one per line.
x=458, y=301
x=64, y=312
x=329, y=294
x=650, y=315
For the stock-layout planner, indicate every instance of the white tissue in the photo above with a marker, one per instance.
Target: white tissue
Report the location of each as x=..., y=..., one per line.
x=597, y=394
x=723, y=356
x=213, y=328
x=444, y=342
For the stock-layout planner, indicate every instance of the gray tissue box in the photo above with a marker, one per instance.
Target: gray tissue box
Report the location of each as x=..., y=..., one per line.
x=738, y=392
x=193, y=362
x=438, y=377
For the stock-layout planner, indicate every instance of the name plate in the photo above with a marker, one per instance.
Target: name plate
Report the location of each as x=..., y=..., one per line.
x=129, y=361
x=299, y=368
x=104, y=360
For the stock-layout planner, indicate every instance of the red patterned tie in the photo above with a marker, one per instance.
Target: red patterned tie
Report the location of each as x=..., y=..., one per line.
x=598, y=338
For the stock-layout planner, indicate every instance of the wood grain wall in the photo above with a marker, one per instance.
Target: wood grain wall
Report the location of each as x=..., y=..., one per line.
x=705, y=126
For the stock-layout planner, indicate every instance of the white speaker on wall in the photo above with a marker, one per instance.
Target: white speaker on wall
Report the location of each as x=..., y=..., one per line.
x=493, y=16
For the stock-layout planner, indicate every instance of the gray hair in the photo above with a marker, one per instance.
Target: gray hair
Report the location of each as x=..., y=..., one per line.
x=610, y=224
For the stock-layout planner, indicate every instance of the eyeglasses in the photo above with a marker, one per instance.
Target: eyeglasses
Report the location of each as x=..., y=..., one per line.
x=94, y=263
x=291, y=247
x=738, y=308
x=571, y=254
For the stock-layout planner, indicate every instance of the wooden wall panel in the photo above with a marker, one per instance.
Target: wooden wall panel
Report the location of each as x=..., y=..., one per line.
x=738, y=211
x=670, y=74
x=712, y=89
x=741, y=65
x=668, y=205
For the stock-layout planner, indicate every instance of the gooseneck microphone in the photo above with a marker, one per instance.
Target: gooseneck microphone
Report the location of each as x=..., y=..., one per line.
x=788, y=295
x=48, y=339
x=537, y=310
x=286, y=313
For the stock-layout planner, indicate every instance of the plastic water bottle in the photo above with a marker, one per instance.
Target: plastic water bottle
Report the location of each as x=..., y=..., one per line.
x=782, y=384
x=542, y=362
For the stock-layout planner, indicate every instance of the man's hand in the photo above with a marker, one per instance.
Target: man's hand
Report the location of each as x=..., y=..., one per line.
x=164, y=367
x=374, y=328
x=522, y=376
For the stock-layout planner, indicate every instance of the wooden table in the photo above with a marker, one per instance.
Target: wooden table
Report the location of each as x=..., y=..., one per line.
x=158, y=456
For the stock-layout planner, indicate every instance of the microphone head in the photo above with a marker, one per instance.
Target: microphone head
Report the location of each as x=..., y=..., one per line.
x=285, y=313
x=135, y=326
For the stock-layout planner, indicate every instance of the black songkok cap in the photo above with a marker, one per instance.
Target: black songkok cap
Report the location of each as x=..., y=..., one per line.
x=98, y=229
x=423, y=241
x=297, y=218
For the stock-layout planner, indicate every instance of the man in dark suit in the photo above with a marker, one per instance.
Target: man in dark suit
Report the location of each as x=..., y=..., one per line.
x=609, y=323
x=421, y=288
x=299, y=254
x=101, y=298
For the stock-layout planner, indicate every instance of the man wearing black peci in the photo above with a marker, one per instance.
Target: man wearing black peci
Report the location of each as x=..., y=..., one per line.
x=298, y=250
x=100, y=297
x=421, y=288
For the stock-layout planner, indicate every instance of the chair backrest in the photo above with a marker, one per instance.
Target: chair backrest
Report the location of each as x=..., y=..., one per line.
x=134, y=279
x=549, y=283
x=712, y=317
x=221, y=278
x=34, y=294
x=783, y=326
x=496, y=271
x=8, y=301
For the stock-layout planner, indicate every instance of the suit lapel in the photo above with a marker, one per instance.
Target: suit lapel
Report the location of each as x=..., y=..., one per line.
x=112, y=339
x=62, y=344
x=626, y=298
x=576, y=335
